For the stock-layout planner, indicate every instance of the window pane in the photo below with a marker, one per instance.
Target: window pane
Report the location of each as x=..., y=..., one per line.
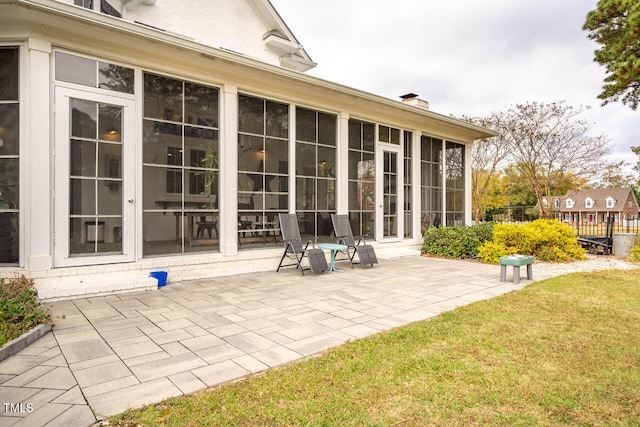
x=84, y=3
x=162, y=98
x=305, y=194
x=9, y=238
x=201, y=105
x=9, y=190
x=354, y=196
x=368, y=137
x=306, y=159
x=108, y=9
x=174, y=156
x=276, y=156
x=250, y=153
x=110, y=122
x=8, y=75
x=82, y=158
x=82, y=196
x=109, y=160
x=395, y=136
x=354, y=161
x=277, y=183
x=250, y=115
x=367, y=167
x=174, y=181
x=277, y=119
x=327, y=129
x=325, y=228
x=305, y=125
x=75, y=69
x=83, y=118
x=383, y=133
x=9, y=129
x=368, y=224
x=326, y=194
x=109, y=197
x=326, y=162
x=355, y=134
x=115, y=77
x=157, y=137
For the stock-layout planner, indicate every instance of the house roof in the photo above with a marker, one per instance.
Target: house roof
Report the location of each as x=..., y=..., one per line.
x=270, y=16
x=599, y=197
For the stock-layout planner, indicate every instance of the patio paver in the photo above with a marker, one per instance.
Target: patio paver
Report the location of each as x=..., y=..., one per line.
x=107, y=354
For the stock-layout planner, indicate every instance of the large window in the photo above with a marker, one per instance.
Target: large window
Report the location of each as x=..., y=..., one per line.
x=362, y=173
x=408, y=189
x=455, y=183
x=9, y=156
x=431, y=182
x=263, y=167
x=315, y=172
x=180, y=166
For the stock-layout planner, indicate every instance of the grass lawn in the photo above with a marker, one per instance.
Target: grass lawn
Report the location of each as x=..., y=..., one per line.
x=564, y=351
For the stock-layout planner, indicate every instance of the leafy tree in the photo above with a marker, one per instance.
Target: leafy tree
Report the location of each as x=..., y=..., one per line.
x=517, y=192
x=615, y=26
x=613, y=176
x=636, y=151
x=550, y=148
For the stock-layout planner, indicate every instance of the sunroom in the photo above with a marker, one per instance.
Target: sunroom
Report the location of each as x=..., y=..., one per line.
x=135, y=150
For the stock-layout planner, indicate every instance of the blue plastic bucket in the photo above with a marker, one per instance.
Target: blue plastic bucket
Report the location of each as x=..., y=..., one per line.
x=161, y=276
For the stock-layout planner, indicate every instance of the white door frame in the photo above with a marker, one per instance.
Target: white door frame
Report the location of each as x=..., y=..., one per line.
x=381, y=148
x=61, y=168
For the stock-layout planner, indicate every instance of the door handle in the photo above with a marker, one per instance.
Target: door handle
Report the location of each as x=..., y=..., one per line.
x=130, y=200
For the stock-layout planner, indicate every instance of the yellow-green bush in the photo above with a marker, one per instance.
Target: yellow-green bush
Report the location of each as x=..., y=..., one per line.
x=545, y=239
x=634, y=252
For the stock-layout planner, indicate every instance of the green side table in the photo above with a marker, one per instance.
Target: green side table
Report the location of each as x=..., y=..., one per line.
x=516, y=261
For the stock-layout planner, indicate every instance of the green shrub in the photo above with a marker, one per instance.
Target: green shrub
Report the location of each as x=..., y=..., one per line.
x=546, y=239
x=634, y=252
x=456, y=241
x=20, y=309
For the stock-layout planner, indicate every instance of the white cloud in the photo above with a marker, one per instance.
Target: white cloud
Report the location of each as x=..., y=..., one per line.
x=466, y=57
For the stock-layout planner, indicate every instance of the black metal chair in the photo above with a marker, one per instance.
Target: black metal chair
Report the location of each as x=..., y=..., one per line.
x=344, y=236
x=294, y=249
x=206, y=226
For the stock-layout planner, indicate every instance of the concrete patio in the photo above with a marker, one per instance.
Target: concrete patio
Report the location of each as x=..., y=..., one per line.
x=107, y=354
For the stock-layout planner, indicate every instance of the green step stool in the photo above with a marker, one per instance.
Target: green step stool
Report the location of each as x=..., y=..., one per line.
x=516, y=261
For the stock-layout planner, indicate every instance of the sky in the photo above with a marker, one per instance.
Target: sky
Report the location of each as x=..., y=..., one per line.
x=465, y=57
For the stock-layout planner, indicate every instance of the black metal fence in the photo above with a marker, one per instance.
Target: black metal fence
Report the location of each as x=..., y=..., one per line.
x=590, y=225
x=513, y=214
x=625, y=224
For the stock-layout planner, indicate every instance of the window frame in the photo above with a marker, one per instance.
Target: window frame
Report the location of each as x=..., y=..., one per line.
x=14, y=234
x=314, y=212
x=260, y=135
x=589, y=203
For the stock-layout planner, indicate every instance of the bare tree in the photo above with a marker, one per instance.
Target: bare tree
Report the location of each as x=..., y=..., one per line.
x=488, y=157
x=550, y=145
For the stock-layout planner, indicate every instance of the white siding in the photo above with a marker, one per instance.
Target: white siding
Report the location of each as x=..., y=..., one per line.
x=226, y=24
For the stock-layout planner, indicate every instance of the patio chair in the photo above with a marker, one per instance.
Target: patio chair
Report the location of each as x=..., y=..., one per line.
x=293, y=248
x=344, y=235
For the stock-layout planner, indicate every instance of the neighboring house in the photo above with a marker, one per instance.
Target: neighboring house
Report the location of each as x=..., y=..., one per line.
x=140, y=135
x=595, y=205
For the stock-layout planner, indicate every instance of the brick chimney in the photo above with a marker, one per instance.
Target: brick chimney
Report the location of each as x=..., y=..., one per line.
x=412, y=99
